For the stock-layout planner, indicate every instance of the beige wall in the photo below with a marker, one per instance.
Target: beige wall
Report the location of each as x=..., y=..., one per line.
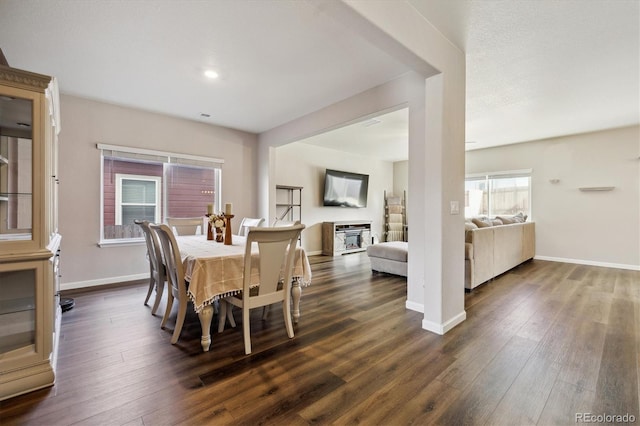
x=310, y=164
x=598, y=228
x=435, y=281
x=401, y=179
x=87, y=123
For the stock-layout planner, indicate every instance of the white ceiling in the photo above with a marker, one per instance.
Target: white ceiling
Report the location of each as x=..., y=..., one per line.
x=535, y=69
x=544, y=68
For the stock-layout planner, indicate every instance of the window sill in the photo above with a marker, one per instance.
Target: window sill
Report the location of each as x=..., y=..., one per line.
x=121, y=242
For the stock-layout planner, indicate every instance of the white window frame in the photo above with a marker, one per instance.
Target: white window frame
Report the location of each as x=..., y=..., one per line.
x=488, y=177
x=161, y=157
x=158, y=191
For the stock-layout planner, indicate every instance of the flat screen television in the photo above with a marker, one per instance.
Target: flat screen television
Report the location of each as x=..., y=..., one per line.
x=345, y=189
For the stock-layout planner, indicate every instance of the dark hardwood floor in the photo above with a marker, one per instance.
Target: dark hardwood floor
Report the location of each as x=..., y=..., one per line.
x=541, y=344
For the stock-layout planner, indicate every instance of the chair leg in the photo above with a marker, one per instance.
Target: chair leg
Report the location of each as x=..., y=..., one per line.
x=286, y=311
x=167, y=310
x=159, y=291
x=222, y=315
x=265, y=312
x=246, y=330
x=151, y=287
x=230, y=317
x=182, y=312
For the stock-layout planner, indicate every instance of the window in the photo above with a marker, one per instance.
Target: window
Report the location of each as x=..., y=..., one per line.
x=137, y=197
x=153, y=185
x=498, y=194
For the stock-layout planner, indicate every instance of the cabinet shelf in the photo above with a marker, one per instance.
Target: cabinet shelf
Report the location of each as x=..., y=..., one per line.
x=8, y=194
x=12, y=306
x=288, y=202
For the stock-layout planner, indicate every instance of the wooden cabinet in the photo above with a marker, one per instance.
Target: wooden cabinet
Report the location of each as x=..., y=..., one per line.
x=345, y=237
x=29, y=239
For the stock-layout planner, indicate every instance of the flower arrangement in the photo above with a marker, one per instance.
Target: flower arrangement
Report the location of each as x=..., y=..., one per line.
x=217, y=220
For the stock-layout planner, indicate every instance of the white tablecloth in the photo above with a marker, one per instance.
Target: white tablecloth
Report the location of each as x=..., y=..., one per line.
x=215, y=270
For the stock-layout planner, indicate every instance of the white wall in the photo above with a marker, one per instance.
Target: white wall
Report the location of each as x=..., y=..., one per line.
x=597, y=228
x=401, y=179
x=436, y=148
x=305, y=166
x=87, y=123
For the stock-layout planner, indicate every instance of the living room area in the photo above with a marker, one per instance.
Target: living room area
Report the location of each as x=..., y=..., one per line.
x=537, y=342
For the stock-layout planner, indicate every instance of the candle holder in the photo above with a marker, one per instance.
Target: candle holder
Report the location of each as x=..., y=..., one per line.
x=227, y=229
x=209, y=228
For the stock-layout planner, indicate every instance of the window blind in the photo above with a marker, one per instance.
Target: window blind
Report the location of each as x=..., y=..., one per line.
x=146, y=155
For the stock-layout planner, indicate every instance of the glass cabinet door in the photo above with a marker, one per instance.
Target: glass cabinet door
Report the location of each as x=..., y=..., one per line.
x=16, y=168
x=17, y=309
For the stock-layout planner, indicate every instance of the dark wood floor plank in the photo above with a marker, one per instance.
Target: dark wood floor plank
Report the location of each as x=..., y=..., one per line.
x=541, y=342
x=480, y=398
x=564, y=403
x=581, y=364
x=362, y=386
x=421, y=397
x=526, y=398
x=617, y=386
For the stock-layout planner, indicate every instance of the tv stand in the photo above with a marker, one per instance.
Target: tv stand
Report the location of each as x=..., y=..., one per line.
x=345, y=237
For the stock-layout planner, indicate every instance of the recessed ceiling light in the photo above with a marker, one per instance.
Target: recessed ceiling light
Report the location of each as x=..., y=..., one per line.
x=24, y=124
x=204, y=114
x=211, y=74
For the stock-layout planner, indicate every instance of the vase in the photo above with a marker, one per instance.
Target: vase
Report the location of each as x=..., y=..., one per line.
x=219, y=235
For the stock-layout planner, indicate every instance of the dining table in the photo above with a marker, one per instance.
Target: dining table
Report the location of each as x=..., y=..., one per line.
x=215, y=270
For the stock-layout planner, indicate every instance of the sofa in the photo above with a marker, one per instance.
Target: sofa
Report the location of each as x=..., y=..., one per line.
x=491, y=250
x=389, y=257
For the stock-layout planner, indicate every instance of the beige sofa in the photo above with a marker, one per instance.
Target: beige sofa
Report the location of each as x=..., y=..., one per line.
x=493, y=250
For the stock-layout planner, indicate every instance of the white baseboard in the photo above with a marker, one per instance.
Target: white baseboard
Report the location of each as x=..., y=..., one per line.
x=413, y=306
x=435, y=327
x=590, y=263
x=103, y=281
x=445, y=327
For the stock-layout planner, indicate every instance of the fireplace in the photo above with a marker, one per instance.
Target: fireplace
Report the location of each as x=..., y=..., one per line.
x=353, y=239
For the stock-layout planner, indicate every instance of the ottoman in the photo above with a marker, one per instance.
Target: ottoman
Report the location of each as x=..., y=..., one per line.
x=389, y=257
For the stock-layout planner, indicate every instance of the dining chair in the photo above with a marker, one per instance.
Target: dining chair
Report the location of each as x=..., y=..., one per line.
x=186, y=225
x=248, y=222
x=278, y=223
x=157, y=274
x=175, y=278
x=273, y=265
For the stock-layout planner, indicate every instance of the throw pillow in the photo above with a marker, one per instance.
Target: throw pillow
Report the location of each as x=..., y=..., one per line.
x=519, y=218
x=506, y=219
x=468, y=226
x=496, y=222
x=481, y=223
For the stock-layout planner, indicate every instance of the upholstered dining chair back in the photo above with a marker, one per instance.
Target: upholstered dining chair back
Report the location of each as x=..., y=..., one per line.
x=186, y=225
x=175, y=278
x=157, y=276
x=248, y=222
x=273, y=265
